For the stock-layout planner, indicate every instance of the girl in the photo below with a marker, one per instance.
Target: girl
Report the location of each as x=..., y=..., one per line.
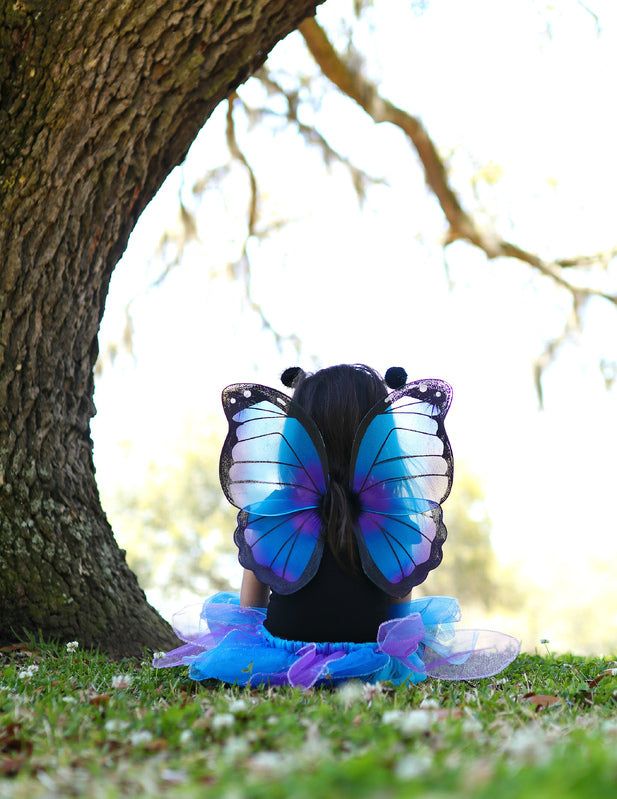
x=340, y=493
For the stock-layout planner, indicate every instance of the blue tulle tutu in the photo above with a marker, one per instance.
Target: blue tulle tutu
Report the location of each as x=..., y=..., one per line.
x=227, y=642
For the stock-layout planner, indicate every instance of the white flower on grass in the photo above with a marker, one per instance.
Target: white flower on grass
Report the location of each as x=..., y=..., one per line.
x=391, y=716
x=175, y=776
x=141, y=737
x=371, y=690
x=235, y=748
x=416, y=722
x=267, y=764
x=350, y=692
x=529, y=745
x=237, y=706
x=121, y=681
x=186, y=736
x=222, y=720
x=116, y=725
x=29, y=671
x=609, y=728
x=72, y=646
x=409, y=767
x=472, y=725
x=48, y=782
x=411, y=722
x=158, y=655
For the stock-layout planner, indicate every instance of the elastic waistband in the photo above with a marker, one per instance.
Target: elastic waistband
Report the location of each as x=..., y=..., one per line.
x=323, y=648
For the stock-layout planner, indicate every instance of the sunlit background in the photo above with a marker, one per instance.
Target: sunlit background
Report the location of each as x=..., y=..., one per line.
x=518, y=98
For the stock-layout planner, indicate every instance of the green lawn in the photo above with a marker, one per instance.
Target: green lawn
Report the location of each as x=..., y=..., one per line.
x=76, y=723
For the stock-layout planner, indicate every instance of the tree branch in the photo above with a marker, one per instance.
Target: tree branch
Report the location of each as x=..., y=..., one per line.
x=461, y=224
x=242, y=268
x=360, y=179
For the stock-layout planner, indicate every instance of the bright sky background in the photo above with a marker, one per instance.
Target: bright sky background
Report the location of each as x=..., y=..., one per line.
x=370, y=286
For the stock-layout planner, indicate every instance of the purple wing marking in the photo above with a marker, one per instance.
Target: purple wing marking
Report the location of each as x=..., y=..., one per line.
x=283, y=551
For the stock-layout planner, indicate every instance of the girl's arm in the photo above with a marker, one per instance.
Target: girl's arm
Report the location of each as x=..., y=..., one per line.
x=399, y=607
x=253, y=593
x=396, y=601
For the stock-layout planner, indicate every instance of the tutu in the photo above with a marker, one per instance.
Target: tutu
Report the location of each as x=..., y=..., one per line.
x=275, y=469
x=227, y=642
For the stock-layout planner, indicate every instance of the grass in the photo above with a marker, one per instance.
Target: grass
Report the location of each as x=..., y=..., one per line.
x=75, y=723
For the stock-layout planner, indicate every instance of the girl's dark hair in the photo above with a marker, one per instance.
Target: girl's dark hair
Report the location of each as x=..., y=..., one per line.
x=337, y=399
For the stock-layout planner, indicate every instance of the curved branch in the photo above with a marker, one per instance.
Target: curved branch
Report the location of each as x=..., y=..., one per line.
x=241, y=268
x=310, y=134
x=571, y=329
x=462, y=226
x=237, y=154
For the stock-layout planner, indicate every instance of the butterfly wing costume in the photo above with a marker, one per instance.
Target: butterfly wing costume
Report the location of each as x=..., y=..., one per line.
x=274, y=469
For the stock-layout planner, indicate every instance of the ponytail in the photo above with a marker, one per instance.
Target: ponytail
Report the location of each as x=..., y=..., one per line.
x=337, y=399
x=339, y=515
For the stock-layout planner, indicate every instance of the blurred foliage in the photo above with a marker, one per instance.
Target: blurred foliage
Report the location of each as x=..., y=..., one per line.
x=176, y=525
x=177, y=528
x=470, y=570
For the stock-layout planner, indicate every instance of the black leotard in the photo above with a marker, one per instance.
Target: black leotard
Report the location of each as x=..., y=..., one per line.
x=334, y=606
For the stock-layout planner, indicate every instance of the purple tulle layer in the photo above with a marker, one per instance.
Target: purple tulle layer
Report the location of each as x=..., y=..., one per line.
x=229, y=643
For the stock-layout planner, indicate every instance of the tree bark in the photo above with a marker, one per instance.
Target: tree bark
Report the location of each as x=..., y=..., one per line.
x=99, y=100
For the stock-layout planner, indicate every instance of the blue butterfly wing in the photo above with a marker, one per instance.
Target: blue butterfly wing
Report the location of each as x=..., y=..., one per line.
x=401, y=469
x=274, y=469
x=283, y=551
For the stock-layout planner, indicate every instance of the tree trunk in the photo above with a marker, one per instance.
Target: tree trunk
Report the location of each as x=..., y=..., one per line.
x=99, y=100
